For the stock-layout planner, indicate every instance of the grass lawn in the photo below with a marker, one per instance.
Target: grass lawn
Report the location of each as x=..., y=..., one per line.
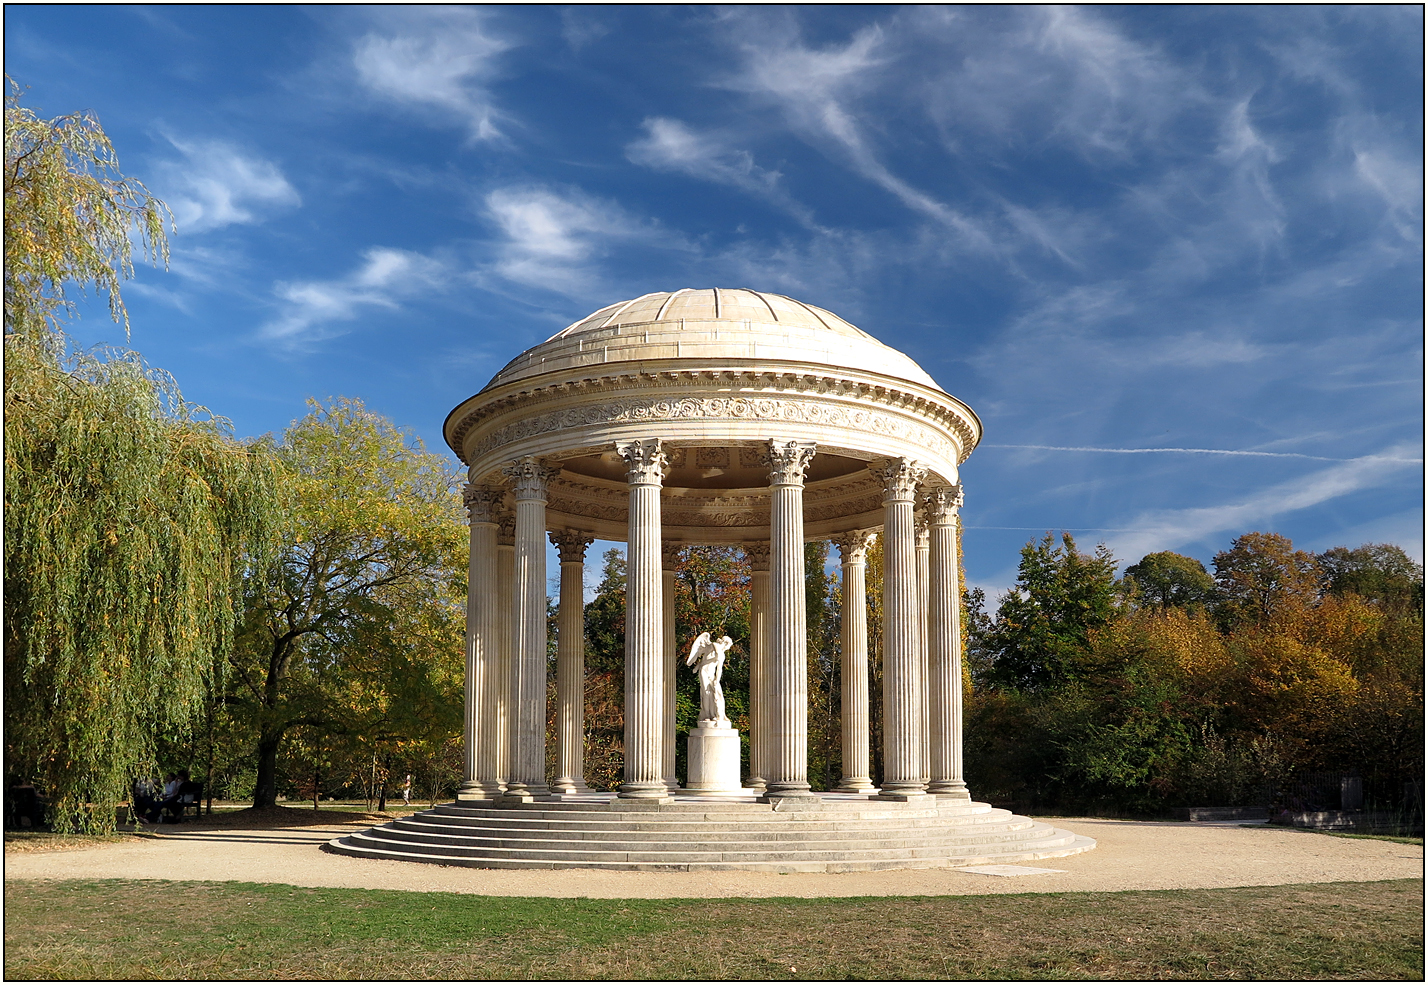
x=168, y=930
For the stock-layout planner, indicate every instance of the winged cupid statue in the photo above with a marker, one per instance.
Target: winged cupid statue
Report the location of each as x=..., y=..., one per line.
x=706, y=656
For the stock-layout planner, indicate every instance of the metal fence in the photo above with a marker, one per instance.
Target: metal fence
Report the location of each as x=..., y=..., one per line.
x=1333, y=791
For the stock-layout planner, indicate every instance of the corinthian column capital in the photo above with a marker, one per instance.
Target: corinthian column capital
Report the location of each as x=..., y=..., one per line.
x=669, y=555
x=788, y=461
x=901, y=477
x=481, y=503
x=645, y=461
x=506, y=526
x=853, y=546
x=758, y=555
x=529, y=478
x=942, y=504
x=571, y=544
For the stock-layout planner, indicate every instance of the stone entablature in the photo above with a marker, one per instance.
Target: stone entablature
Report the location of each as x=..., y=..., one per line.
x=484, y=427
x=577, y=423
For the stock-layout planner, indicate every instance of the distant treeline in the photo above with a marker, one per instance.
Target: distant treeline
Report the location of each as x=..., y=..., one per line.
x=1169, y=686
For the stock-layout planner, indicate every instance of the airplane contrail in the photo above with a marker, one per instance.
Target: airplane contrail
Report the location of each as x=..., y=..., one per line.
x=1207, y=451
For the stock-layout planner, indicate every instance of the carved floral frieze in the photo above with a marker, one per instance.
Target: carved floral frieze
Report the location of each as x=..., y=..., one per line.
x=803, y=410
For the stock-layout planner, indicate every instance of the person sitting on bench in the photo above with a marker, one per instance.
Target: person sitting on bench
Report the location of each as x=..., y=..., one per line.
x=186, y=793
x=146, y=802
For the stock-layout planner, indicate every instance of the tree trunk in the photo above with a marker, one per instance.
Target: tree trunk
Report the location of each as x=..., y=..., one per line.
x=265, y=791
x=208, y=775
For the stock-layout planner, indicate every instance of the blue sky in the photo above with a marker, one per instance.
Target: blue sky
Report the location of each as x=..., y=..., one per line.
x=1173, y=256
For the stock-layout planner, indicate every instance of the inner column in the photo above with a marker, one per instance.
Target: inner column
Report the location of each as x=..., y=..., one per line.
x=482, y=648
x=528, y=613
x=923, y=541
x=504, y=700
x=644, y=625
x=902, y=680
x=758, y=555
x=854, y=550
x=669, y=556
x=570, y=664
x=944, y=633
x=787, y=776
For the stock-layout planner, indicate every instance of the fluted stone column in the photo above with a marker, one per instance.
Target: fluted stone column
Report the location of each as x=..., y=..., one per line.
x=944, y=634
x=902, y=678
x=923, y=541
x=529, y=479
x=787, y=776
x=570, y=664
x=644, y=626
x=758, y=555
x=504, y=698
x=483, y=629
x=669, y=557
x=854, y=549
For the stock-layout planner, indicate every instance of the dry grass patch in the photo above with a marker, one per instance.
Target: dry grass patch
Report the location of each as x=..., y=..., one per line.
x=157, y=930
x=45, y=841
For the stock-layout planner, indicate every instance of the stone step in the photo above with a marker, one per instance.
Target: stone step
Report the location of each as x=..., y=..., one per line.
x=950, y=838
x=703, y=828
x=1067, y=843
x=753, y=852
x=787, y=834
x=848, y=834
x=580, y=818
x=711, y=810
x=859, y=843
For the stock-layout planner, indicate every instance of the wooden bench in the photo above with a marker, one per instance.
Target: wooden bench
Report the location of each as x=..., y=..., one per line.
x=189, y=794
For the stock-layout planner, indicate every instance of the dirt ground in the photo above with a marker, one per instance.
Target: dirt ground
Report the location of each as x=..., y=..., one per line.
x=280, y=848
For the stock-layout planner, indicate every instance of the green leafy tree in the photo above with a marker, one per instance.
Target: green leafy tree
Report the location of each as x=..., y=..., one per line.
x=130, y=514
x=1043, y=624
x=346, y=629
x=1166, y=579
x=605, y=676
x=824, y=626
x=1262, y=577
x=1379, y=573
x=605, y=618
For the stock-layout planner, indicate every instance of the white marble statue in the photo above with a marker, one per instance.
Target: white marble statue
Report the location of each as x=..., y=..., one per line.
x=706, y=656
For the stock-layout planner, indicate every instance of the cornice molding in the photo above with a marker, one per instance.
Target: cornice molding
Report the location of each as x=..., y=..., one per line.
x=757, y=394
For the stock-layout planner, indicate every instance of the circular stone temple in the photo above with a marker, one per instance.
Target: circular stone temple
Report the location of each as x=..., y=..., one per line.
x=729, y=417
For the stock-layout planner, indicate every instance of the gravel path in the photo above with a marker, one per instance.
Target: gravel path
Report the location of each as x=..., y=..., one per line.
x=1130, y=855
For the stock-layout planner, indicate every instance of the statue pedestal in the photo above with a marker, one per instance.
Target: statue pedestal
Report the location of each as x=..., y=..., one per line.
x=713, y=759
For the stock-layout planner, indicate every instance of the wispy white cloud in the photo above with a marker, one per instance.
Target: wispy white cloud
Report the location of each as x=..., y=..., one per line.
x=440, y=59
x=579, y=28
x=217, y=184
x=1160, y=530
x=1248, y=156
x=815, y=87
x=670, y=145
x=1047, y=75
x=554, y=239
x=311, y=309
x=160, y=294
x=1398, y=181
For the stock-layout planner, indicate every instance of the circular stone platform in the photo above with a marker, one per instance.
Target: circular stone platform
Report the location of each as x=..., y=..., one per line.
x=844, y=833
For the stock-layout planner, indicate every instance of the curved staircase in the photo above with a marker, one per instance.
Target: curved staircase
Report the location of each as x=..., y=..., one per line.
x=844, y=833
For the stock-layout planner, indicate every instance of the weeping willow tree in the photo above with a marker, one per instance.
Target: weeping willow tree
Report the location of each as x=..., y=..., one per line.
x=130, y=515
x=71, y=217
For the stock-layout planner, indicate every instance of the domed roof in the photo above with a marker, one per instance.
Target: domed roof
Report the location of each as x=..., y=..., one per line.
x=713, y=324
